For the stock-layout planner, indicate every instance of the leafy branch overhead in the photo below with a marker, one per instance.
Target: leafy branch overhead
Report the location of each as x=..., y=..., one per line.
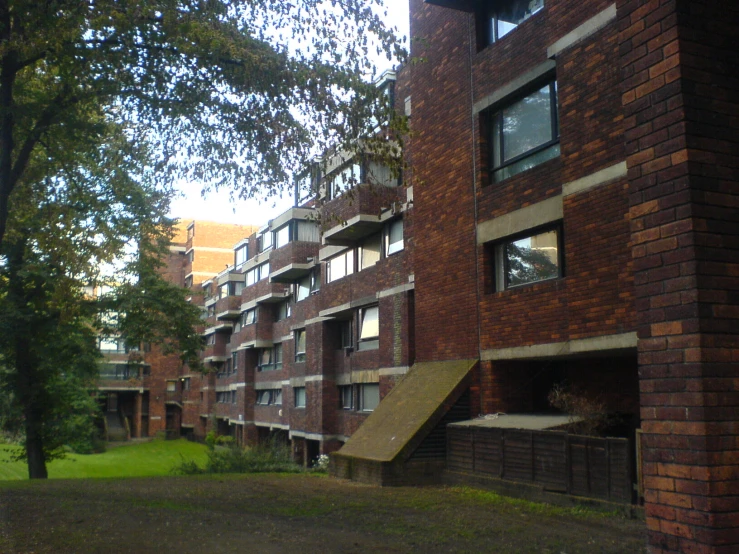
x=227, y=94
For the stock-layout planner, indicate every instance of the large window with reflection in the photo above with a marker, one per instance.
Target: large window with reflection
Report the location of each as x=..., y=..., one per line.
x=524, y=133
x=527, y=259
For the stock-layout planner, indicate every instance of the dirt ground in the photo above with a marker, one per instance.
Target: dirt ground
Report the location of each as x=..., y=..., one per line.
x=293, y=514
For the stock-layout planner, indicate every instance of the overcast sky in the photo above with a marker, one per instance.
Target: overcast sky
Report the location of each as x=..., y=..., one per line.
x=218, y=207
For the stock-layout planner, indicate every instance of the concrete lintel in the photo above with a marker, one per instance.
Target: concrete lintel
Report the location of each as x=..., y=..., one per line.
x=272, y=425
x=297, y=382
x=541, y=213
x=335, y=310
x=267, y=385
x=601, y=177
x=592, y=25
x=389, y=371
x=315, y=320
x=514, y=86
x=366, y=376
x=605, y=343
x=329, y=251
x=396, y=290
x=292, y=213
x=317, y=436
x=248, y=305
x=313, y=378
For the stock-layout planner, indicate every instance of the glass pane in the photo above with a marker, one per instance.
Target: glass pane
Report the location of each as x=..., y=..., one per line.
x=370, y=397
x=527, y=124
x=300, y=342
x=282, y=236
x=241, y=255
x=370, y=323
x=527, y=163
x=395, y=237
x=532, y=259
x=303, y=288
x=513, y=12
x=371, y=251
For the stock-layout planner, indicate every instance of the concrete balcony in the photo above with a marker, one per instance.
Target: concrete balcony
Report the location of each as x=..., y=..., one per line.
x=292, y=261
x=228, y=308
x=360, y=212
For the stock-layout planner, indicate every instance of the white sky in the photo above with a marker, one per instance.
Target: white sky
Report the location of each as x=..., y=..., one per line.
x=216, y=206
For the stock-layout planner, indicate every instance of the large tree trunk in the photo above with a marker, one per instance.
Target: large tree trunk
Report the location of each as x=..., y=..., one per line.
x=7, y=79
x=32, y=410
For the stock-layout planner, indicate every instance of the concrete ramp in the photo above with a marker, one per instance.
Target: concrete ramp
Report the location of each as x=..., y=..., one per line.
x=382, y=450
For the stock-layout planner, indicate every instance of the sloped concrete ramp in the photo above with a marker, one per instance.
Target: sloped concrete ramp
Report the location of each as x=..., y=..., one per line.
x=380, y=451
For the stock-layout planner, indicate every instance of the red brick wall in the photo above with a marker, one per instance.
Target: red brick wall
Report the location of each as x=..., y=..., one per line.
x=444, y=259
x=681, y=101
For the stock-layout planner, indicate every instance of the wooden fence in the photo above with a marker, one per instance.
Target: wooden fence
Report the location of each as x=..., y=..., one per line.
x=557, y=461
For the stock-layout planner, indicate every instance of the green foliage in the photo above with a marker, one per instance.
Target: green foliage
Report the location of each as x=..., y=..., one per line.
x=226, y=94
x=270, y=457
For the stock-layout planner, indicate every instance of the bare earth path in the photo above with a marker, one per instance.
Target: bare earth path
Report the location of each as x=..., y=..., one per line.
x=292, y=514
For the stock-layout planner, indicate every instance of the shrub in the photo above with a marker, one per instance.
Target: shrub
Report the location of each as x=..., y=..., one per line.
x=263, y=458
x=588, y=413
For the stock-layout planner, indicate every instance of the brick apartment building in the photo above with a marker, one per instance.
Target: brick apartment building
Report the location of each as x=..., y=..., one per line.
x=575, y=221
x=569, y=217
x=141, y=389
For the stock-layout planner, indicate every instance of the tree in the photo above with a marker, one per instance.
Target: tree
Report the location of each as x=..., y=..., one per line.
x=225, y=93
x=84, y=217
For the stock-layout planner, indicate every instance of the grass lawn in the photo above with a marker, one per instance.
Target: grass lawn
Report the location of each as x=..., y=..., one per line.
x=147, y=459
x=275, y=513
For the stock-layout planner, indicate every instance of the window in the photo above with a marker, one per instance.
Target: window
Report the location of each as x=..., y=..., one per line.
x=112, y=344
x=284, y=310
x=345, y=331
x=300, y=345
x=234, y=362
x=344, y=179
x=188, y=282
x=340, y=266
x=191, y=256
x=171, y=386
x=265, y=241
x=307, y=285
x=524, y=133
x=282, y=236
x=503, y=17
x=241, y=255
x=211, y=339
x=299, y=397
x=270, y=359
x=302, y=288
x=277, y=356
x=257, y=273
x=394, y=237
x=369, y=251
x=346, y=397
x=306, y=184
x=528, y=259
x=249, y=317
x=369, y=328
x=269, y=397
x=368, y=397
